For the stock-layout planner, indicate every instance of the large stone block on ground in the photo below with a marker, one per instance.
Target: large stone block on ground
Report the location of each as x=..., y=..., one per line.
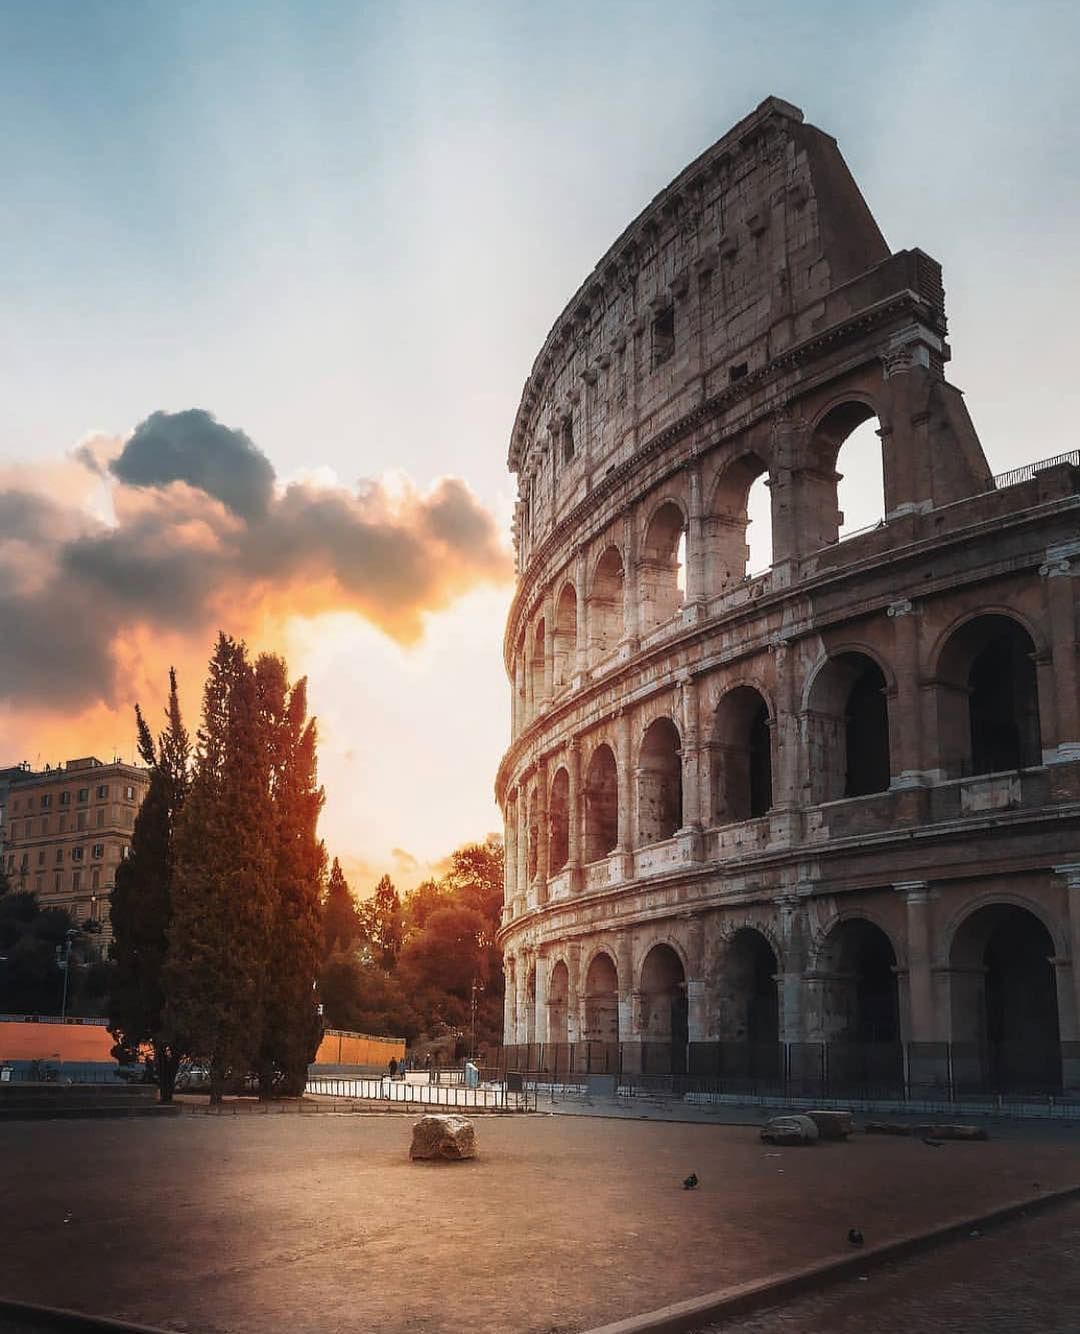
x=445, y=1137
x=832, y=1124
x=790, y=1130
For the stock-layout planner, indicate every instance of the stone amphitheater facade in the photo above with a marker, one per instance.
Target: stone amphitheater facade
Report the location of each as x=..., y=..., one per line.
x=835, y=801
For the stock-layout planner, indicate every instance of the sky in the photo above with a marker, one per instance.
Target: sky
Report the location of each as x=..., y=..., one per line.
x=328, y=240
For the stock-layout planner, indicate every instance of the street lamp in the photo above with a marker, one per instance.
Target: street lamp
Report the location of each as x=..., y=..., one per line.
x=65, y=965
x=476, y=986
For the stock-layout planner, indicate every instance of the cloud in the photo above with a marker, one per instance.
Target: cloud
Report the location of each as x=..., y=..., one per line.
x=195, y=448
x=201, y=538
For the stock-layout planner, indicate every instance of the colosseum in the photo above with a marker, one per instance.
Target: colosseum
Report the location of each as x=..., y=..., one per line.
x=825, y=813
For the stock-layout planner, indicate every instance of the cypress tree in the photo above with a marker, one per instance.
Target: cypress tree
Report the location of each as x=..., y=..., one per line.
x=141, y=902
x=292, y=1027
x=343, y=927
x=385, y=924
x=219, y=939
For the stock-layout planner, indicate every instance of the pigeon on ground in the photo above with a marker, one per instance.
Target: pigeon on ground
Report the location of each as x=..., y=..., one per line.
x=855, y=1236
x=691, y=1182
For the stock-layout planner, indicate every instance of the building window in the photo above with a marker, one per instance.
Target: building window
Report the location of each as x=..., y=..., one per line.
x=59, y=854
x=56, y=883
x=99, y=850
x=103, y=791
x=80, y=820
x=663, y=337
x=83, y=794
x=11, y=862
x=76, y=879
x=63, y=824
x=95, y=878
x=14, y=831
x=76, y=854
x=25, y=861
x=101, y=817
x=65, y=798
x=568, y=440
x=129, y=794
x=15, y=804
x=44, y=824
x=39, y=882
x=41, y=857
x=46, y=800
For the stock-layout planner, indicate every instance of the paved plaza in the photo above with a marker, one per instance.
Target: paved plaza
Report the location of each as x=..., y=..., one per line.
x=251, y=1224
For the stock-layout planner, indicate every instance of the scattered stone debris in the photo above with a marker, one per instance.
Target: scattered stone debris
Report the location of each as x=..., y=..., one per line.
x=447, y=1137
x=832, y=1124
x=927, y=1133
x=790, y=1130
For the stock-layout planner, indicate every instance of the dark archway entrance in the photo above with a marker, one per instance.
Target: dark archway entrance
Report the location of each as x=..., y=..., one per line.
x=602, y=1000
x=848, y=729
x=664, y=1011
x=659, y=782
x=601, y=804
x=1004, y=1001
x=741, y=757
x=859, y=1011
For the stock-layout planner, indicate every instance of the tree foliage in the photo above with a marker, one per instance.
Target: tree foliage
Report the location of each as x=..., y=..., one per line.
x=343, y=926
x=31, y=980
x=383, y=923
x=141, y=902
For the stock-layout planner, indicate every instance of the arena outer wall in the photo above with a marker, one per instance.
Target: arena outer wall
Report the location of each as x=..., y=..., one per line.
x=837, y=801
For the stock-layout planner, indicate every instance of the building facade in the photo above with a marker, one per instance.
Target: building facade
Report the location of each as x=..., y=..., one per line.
x=837, y=801
x=67, y=830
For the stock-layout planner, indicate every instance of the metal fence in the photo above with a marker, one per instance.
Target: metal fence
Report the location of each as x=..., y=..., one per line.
x=491, y=1093
x=1028, y=471
x=866, y=1070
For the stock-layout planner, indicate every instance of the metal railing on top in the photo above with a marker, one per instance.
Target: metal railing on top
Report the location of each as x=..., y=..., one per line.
x=1028, y=471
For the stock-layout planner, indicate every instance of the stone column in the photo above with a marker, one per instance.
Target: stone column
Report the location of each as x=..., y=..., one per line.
x=1070, y=874
x=696, y=1008
x=695, y=547
x=625, y=964
x=510, y=1002
x=549, y=650
x=906, y=731
x=521, y=989
x=510, y=848
x=575, y=815
x=543, y=833
x=789, y=981
x=573, y=994
x=521, y=880
x=542, y=1034
x=922, y=1026
x=627, y=832
x=631, y=591
x=530, y=691
x=581, y=578
x=1062, y=564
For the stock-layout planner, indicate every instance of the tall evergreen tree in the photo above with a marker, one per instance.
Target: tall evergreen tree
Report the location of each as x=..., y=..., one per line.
x=141, y=901
x=384, y=923
x=343, y=927
x=223, y=908
x=291, y=1024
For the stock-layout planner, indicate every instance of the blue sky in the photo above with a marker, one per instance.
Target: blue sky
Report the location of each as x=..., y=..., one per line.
x=345, y=229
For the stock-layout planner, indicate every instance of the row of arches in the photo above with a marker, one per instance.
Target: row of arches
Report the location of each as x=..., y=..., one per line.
x=733, y=540
x=1002, y=994
x=989, y=722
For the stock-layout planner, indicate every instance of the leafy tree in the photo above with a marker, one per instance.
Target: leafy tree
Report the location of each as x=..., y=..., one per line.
x=291, y=1024
x=226, y=857
x=383, y=923
x=425, y=899
x=448, y=954
x=360, y=996
x=343, y=926
x=141, y=902
x=31, y=981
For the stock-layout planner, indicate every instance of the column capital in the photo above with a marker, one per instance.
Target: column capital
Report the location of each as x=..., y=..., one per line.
x=915, y=891
x=1070, y=873
x=901, y=607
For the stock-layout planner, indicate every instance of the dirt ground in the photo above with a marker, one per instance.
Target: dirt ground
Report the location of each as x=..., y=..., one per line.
x=321, y=1223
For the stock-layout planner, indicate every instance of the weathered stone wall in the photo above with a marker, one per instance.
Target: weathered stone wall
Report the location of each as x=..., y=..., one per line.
x=764, y=807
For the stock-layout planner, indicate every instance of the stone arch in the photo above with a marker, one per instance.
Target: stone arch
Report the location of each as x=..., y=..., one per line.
x=1003, y=997
x=847, y=727
x=988, y=695
x=565, y=636
x=854, y=970
x=659, y=781
x=746, y=999
x=741, y=756
x=662, y=988
x=601, y=803
x=606, y=602
x=726, y=552
x=559, y=816
x=602, y=997
x=659, y=565
x=558, y=1003
x=819, y=511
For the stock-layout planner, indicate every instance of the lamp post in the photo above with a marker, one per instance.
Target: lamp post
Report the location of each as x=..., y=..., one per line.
x=65, y=965
x=476, y=986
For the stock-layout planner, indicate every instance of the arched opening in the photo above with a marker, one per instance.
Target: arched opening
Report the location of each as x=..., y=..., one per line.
x=606, y=604
x=850, y=429
x=558, y=1005
x=658, y=566
x=1004, y=999
x=748, y=1009
x=759, y=544
x=536, y=665
x=732, y=546
x=741, y=757
x=520, y=669
x=663, y=999
x=602, y=1000
x=860, y=485
x=659, y=782
x=848, y=729
x=559, y=847
x=601, y=804
x=565, y=642
x=989, y=698
x=857, y=973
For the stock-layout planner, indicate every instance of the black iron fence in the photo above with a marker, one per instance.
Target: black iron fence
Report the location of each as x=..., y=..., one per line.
x=867, y=1070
